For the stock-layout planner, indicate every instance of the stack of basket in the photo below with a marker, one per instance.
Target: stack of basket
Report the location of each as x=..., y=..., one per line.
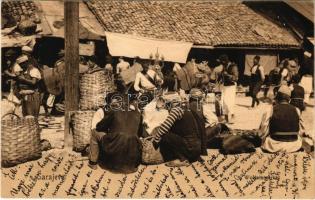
x=20, y=140
x=93, y=89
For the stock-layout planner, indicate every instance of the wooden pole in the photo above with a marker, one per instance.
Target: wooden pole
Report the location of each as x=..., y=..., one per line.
x=71, y=14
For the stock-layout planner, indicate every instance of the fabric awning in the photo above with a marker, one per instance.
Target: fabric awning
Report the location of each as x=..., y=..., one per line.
x=132, y=46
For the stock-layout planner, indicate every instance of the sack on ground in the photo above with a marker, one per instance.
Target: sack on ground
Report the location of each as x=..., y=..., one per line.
x=240, y=141
x=150, y=155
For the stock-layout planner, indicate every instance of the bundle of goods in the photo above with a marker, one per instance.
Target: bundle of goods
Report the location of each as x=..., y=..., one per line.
x=240, y=141
x=20, y=10
x=81, y=127
x=20, y=140
x=93, y=89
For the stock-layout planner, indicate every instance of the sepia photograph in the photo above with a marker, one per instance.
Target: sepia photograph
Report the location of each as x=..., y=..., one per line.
x=157, y=99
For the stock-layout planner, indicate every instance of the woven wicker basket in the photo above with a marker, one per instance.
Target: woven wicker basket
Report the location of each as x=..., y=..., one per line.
x=81, y=121
x=150, y=155
x=20, y=140
x=93, y=88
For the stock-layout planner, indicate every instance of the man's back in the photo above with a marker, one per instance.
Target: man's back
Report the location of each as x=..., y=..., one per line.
x=127, y=122
x=117, y=122
x=121, y=147
x=284, y=119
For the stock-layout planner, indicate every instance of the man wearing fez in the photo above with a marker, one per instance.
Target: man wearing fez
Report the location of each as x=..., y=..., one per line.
x=281, y=126
x=181, y=136
x=116, y=129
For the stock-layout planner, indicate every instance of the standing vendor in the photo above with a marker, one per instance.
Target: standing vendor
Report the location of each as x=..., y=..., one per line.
x=28, y=83
x=228, y=76
x=257, y=79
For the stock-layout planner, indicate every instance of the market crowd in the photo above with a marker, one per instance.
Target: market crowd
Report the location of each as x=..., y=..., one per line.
x=168, y=108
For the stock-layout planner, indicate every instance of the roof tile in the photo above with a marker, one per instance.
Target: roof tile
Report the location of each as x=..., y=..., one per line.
x=200, y=22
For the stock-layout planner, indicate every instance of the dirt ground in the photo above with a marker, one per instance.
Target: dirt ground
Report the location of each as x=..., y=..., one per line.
x=64, y=173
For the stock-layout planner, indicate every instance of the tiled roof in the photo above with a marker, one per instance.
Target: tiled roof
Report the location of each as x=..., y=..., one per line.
x=19, y=9
x=201, y=22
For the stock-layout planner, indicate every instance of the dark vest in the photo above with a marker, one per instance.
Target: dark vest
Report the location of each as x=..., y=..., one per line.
x=25, y=86
x=197, y=111
x=227, y=81
x=186, y=126
x=121, y=148
x=256, y=77
x=120, y=122
x=284, y=123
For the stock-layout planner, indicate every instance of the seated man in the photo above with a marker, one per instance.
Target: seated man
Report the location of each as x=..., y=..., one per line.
x=147, y=80
x=146, y=83
x=114, y=137
x=281, y=126
x=212, y=128
x=179, y=136
x=154, y=113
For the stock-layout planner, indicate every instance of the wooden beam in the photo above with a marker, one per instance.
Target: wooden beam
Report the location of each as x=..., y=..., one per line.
x=71, y=13
x=202, y=47
x=244, y=47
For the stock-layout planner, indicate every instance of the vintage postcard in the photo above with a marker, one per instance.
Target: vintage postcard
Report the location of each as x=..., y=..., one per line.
x=157, y=99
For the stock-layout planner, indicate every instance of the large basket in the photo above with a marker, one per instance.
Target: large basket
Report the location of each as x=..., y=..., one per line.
x=93, y=89
x=150, y=155
x=81, y=122
x=20, y=140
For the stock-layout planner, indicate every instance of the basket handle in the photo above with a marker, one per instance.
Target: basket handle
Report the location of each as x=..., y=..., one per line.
x=11, y=114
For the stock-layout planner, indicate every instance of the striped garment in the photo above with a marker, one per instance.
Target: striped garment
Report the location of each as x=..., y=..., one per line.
x=175, y=114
